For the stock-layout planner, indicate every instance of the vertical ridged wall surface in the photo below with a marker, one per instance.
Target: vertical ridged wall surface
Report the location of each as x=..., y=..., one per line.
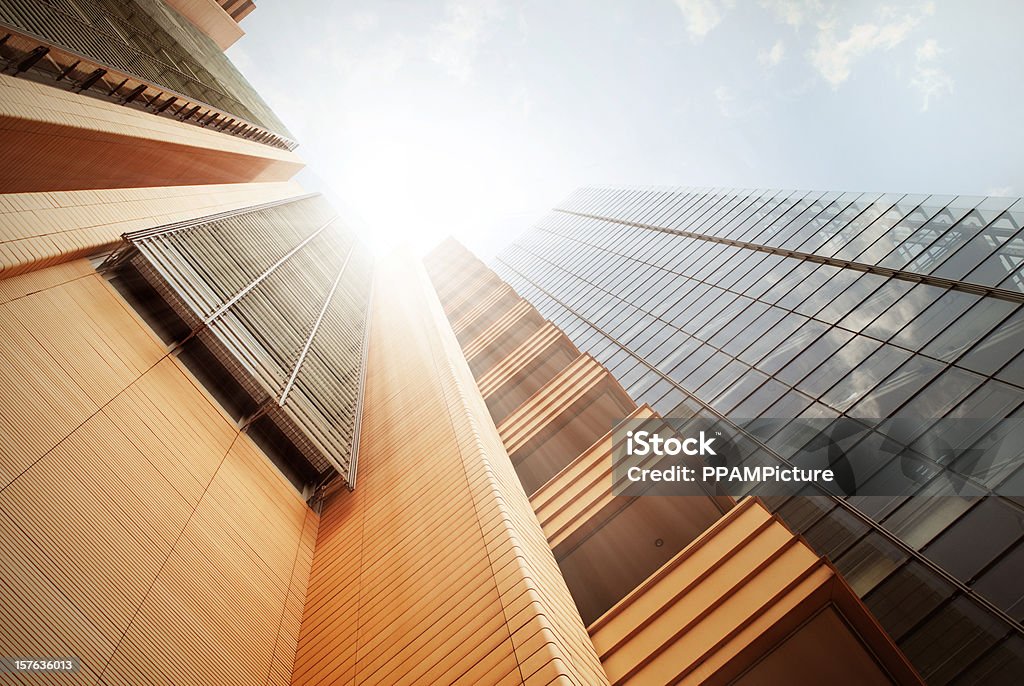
x=139, y=529
x=435, y=569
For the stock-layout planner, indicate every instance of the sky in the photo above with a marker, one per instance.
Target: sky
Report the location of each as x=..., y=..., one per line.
x=472, y=118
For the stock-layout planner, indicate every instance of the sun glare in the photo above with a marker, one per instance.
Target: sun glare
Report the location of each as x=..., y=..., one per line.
x=413, y=195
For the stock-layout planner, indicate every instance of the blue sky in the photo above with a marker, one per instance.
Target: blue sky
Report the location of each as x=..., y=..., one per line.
x=472, y=118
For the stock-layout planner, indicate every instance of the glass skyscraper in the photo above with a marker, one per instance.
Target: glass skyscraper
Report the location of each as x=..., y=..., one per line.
x=736, y=305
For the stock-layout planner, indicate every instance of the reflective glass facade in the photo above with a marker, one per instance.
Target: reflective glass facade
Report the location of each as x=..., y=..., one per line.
x=745, y=304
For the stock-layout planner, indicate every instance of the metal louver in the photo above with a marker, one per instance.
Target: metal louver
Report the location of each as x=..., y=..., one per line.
x=273, y=299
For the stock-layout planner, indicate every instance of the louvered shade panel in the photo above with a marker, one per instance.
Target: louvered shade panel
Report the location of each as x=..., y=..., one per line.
x=276, y=296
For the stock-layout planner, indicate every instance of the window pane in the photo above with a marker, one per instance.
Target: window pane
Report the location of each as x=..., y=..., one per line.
x=906, y=597
x=760, y=327
x=934, y=320
x=862, y=231
x=723, y=379
x=869, y=562
x=994, y=459
x=978, y=248
x=1014, y=371
x=876, y=303
x=1002, y=665
x=818, y=278
x=802, y=512
x=836, y=532
x=786, y=350
x=850, y=298
x=977, y=538
x=932, y=510
x=747, y=312
x=840, y=281
x=808, y=360
x=756, y=404
x=951, y=639
x=903, y=311
x=968, y=329
x=696, y=379
x=691, y=362
x=1002, y=583
x=998, y=348
x=865, y=377
x=852, y=220
x=934, y=236
x=845, y=359
x=949, y=388
x=797, y=271
x=771, y=338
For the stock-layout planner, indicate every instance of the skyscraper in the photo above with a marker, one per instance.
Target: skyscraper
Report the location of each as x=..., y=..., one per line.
x=173, y=398
x=691, y=588
x=236, y=450
x=744, y=304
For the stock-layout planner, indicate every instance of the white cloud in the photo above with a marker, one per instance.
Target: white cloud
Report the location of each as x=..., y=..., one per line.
x=929, y=79
x=833, y=57
x=456, y=41
x=1000, y=191
x=931, y=82
x=928, y=50
x=792, y=12
x=772, y=57
x=702, y=15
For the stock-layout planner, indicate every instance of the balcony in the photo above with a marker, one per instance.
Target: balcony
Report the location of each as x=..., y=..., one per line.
x=607, y=544
x=746, y=603
x=502, y=337
x=525, y=370
x=468, y=323
x=562, y=419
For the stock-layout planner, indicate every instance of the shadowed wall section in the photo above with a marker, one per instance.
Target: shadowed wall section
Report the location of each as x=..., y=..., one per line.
x=56, y=140
x=435, y=569
x=211, y=18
